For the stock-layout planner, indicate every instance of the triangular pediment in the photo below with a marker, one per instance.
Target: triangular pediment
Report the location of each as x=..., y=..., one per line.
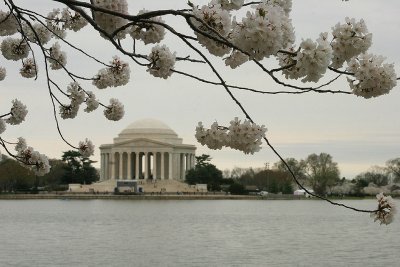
x=142, y=142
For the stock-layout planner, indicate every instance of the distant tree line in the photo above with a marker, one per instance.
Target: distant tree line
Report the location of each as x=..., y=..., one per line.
x=71, y=168
x=320, y=173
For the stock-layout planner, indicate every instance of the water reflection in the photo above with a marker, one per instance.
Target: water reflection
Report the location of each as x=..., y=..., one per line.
x=193, y=233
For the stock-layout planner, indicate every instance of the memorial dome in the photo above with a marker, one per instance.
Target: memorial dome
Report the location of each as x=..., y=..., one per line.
x=150, y=129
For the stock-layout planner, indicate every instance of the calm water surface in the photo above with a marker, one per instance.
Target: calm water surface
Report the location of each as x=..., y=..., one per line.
x=193, y=233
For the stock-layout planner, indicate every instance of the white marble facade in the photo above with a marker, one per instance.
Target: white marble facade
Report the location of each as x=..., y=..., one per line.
x=146, y=149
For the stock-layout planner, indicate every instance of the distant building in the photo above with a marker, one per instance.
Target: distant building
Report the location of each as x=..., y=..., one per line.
x=146, y=149
x=302, y=192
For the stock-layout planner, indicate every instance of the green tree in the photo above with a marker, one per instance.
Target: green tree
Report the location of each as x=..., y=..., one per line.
x=393, y=168
x=274, y=181
x=205, y=173
x=78, y=169
x=298, y=168
x=237, y=189
x=54, y=178
x=14, y=177
x=322, y=172
x=377, y=176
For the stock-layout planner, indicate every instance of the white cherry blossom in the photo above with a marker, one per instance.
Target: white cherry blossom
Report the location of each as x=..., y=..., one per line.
x=371, y=78
x=91, y=102
x=217, y=19
x=38, y=163
x=76, y=94
x=349, y=40
x=229, y=4
x=311, y=61
x=18, y=113
x=162, y=61
x=2, y=126
x=58, y=58
x=386, y=209
x=39, y=32
x=55, y=23
x=117, y=74
x=235, y=59
x=110, y=23
x=29, y=68
x=115, y=111
x=21, y=144
x=3, y=73
x=149, y=33
x=69, y=111
x=14, y=49
x=86, y=148
x=8, y=25
x=246, y=136
x=264, y=31
x=73, y=20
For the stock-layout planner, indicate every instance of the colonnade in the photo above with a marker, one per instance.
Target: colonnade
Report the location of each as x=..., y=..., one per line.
x=128, y=165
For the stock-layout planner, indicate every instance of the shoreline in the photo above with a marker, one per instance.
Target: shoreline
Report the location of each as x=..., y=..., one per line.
x=69, y=196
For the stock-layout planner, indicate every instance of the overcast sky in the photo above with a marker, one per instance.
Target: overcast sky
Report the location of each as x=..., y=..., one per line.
x=358, y=133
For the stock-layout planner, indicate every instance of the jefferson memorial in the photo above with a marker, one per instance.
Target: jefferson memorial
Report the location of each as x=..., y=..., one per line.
x=146, y=149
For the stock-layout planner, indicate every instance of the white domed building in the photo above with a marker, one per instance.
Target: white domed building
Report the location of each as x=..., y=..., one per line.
x=146, y=149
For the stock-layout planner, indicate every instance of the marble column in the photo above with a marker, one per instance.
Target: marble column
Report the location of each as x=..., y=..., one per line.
x=137, y=166
x=146, y=165
x=101, y=166
x=129, y=167
x=121, y=161
x=182, y=166
x=107, y=166
x=154, y=165
x=162, y=166
x=113, y=161
x=170, y=166
x=187, y=157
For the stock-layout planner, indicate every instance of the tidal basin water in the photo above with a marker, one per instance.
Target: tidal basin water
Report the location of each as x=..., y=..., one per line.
x=193, y=233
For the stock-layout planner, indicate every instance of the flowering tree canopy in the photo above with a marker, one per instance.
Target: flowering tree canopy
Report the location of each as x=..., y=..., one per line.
x=235, y=31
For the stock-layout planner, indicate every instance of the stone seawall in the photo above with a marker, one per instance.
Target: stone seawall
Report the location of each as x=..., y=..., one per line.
x=147, y=197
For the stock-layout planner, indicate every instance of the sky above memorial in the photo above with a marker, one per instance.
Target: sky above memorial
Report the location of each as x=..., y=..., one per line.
x=357, y=132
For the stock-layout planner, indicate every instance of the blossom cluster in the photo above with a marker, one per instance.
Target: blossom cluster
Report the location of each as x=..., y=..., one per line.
x=36, y=33
x=149, y=33
x=14, y=48
x=8, y=25
x=29, y=68
x=91, y=102
x=244, y=136
x=311, y=61
x=77, y=96
x=265, y=30
x=58, y=58
x=117, y=74
x=2, y=125
x=73, y=20
x=349, y=40
x=230, y=4
x=3, y=73
x=162, y=61
x=58, y=21
x=86, y=148
x=386, y=209
x=115, y=111
x=219, y=20
x=18, y=113
x=371, y=78
x=38, y=163
x=40, y=32
x=107, y=22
